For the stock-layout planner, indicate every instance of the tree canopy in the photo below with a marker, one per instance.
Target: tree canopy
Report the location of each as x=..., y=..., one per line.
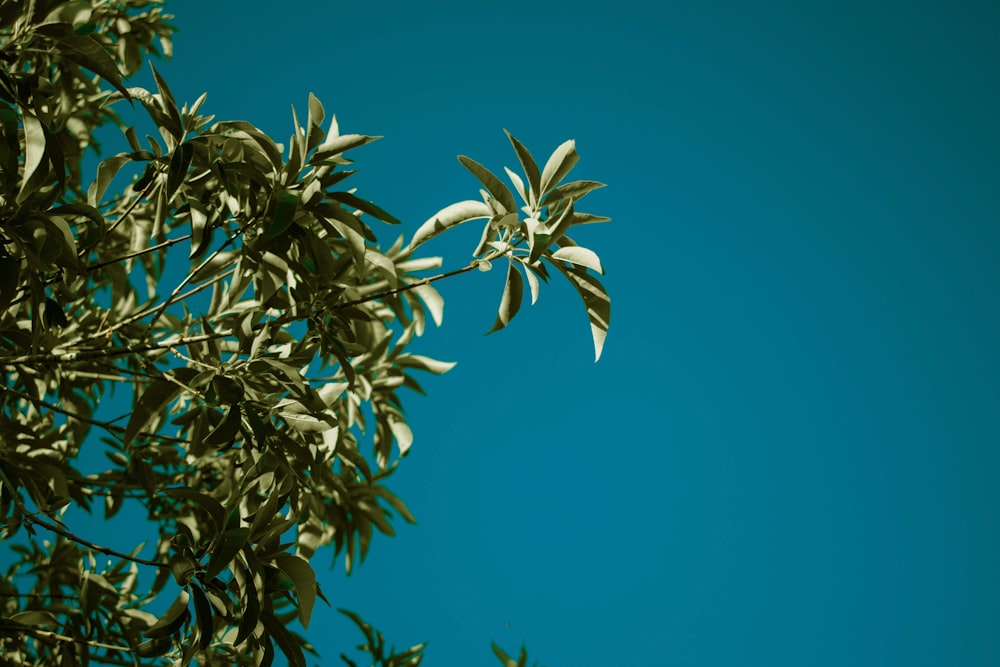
x=235, y=304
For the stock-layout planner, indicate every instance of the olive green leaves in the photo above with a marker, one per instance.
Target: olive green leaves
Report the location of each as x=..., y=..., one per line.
x=532, y=235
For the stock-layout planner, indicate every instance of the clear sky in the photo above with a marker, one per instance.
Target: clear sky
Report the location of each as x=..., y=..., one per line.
x=789, y=453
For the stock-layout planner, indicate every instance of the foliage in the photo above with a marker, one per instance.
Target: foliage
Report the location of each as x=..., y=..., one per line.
x=254, y=366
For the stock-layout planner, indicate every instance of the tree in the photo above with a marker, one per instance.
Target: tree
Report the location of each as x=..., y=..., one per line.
x=252, y=367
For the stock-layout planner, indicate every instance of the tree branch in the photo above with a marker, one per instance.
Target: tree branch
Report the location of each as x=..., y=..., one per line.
x=46, y=634
x=138, y=253
x=34, y=519
x=420, y=283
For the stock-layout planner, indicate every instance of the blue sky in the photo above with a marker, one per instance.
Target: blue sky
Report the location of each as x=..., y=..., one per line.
x=788, y=454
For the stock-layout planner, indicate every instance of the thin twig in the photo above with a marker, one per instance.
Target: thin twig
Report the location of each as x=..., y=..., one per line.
x=46, y=634
x=190, y=276
x=407, y=288
x=137, y=253
x=107, y=551
x=135, y=202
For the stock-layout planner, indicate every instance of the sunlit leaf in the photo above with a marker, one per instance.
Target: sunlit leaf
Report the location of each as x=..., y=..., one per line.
x=595, y=299
x=449, y=217
x=562, y=160
x=304, y=579
x=34, y=153
x=510, y=301
x=579, y=256
x=530, y=168
x=105, y=172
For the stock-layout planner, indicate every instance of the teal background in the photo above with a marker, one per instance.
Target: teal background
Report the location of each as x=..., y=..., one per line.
x=789, y=452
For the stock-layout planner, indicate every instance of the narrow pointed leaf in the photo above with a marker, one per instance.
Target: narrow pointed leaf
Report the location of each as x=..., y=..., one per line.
x=156, y=397
x=172, y=619
x=34, y=152
x=203, y=616
x=180, y=162
x=284, y=214
x=105, y=172
x=425, y=363
x=212, y=507
x=504, y=658
x=448, y=217
x=335, y=145
x=574, y=189
x=529, y=166
x=168, y=104
x=510, y=301
x=304, y=579
x=518, y=184
x=595, y=299
x=225, y=551
x=562, y=160
x=285, y=640
x=532, y=282
x=496, y=188
x=588, y=219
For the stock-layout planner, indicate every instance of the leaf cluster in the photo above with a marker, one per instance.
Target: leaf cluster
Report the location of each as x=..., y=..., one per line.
x=233, y=310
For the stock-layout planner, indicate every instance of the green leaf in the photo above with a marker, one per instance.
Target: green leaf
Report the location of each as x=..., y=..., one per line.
x=510, y=301
x=10, y=278
x=395, y=502
x=304, y=579
x=573, y=190
x=580, y=257
x=496, y=188
x=314, y=131
x=212, y=507
x=201, y=229
x=335, y=145
x=562, y=160
x=183, y=568
x=433, y=300
x=364, y=205
x=532, y=281
x=518, y=184
x=224, y=434
x=504, y=658
x=203, y=616
x=168, y=104
x=152, y=648
x=305, y=423
x=285, y=640
x=225, y=551
x=105, y=172
x=37, y=619
x=84, y=50
x=424, y=363
x=448, y=217
x=156, y=397
x=284, y=214
x=177, y=169
x=588, y=219
x=595, y=299
x=171, y=621
x=247, y=579
x=348, y=227
x=403, y=435
x=34, y=154
x=530, y=169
